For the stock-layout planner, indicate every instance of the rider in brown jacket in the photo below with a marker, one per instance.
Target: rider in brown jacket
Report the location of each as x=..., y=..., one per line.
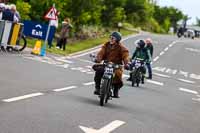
x=113, y=51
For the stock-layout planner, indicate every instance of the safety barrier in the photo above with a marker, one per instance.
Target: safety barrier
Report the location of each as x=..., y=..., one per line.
x=10, y=34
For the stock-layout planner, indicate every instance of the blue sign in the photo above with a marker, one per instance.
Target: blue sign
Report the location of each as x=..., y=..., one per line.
x=38, y=30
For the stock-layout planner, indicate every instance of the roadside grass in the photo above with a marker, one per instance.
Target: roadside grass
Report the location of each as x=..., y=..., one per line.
x=78, y=45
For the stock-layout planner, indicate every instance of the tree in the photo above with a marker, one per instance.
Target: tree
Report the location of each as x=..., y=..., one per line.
x=110, y=7
x=138, y=11
x=24, y=9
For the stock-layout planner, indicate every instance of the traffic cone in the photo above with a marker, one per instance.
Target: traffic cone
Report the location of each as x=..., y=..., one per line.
x=37, y=48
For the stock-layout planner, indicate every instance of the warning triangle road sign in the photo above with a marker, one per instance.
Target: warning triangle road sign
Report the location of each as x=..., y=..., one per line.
x=51, y=14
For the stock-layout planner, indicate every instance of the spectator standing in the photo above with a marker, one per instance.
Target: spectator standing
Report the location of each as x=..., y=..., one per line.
x=14, y=10
x=64, y=34
x=149, y=47
x=9, y=15
x=54, y=26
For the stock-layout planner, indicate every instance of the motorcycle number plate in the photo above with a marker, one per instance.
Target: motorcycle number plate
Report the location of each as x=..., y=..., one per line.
x=137, y=64
x=109, y=70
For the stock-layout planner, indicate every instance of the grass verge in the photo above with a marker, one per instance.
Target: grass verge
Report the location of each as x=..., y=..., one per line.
x=78, y=45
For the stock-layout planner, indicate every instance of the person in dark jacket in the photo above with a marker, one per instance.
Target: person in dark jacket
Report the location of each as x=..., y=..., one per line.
x=9, y=15
x=64, y=33
x=140, y=52
x=149, y=47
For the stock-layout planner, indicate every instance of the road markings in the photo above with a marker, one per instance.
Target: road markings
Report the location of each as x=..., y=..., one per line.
x=188, y=90
x=160, y=69
x=166, y=49
x=171, y=71
x=156, y=58
x=171, y=45
x=107, y=129
x=90, y=72
x=63, y=60
x=155, y=82
x=64, y=89
x=186, y=81
x=162, y=53
x=196, y=99
x=89, y=83
x=22, y=97
x=161, y=75
x=193, y=50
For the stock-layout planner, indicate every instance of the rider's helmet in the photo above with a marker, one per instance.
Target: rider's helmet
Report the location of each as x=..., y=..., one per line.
x=117, y=35
x=140, y=43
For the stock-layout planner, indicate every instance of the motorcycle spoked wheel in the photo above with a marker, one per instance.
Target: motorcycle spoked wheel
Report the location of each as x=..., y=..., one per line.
x=104, y=92
x=136, y=78
x=133, y=79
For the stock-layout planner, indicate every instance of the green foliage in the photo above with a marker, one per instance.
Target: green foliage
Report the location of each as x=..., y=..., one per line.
x=118, y=16
x=107, y=13
x=24, y=9
x=166, y=25
x=168, y=16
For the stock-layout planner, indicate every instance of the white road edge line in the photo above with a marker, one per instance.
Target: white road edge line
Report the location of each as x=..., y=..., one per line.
x=64, y=89
x=188, y=90
x=155, y=82
x=89, y=83
x=186, y=81
x=22, y=97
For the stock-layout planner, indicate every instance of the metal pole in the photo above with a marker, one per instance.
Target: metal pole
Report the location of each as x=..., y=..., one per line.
x=43, y=51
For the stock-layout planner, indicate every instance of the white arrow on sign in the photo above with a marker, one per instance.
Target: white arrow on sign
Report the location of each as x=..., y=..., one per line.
x=107, y=129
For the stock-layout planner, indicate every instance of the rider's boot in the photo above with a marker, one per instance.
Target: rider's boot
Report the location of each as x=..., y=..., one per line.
x=130, y=77
x=97, y=80
x=116, y=90
x=97, y=90
x=116, y=93
x=142, y=80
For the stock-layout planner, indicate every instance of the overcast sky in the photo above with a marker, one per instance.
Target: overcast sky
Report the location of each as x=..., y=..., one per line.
x=189, y=7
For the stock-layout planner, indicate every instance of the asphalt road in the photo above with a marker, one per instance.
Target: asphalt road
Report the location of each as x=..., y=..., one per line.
x=55, y=94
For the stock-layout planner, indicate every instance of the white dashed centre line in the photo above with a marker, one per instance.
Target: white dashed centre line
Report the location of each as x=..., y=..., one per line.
x=89, y=83
x=155, y=82
x=187, y=81
x=22, y=97
x=188, y=90
x=64, y=89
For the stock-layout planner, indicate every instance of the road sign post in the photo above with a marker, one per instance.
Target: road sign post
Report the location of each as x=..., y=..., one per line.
x=51, y=15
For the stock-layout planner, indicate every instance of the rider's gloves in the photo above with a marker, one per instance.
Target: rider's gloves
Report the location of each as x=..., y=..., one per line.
x=127, y=66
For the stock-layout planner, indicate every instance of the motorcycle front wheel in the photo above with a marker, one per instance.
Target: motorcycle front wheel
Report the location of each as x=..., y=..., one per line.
x=104, y=92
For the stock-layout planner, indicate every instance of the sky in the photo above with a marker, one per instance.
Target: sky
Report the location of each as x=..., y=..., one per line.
x=189, y=7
